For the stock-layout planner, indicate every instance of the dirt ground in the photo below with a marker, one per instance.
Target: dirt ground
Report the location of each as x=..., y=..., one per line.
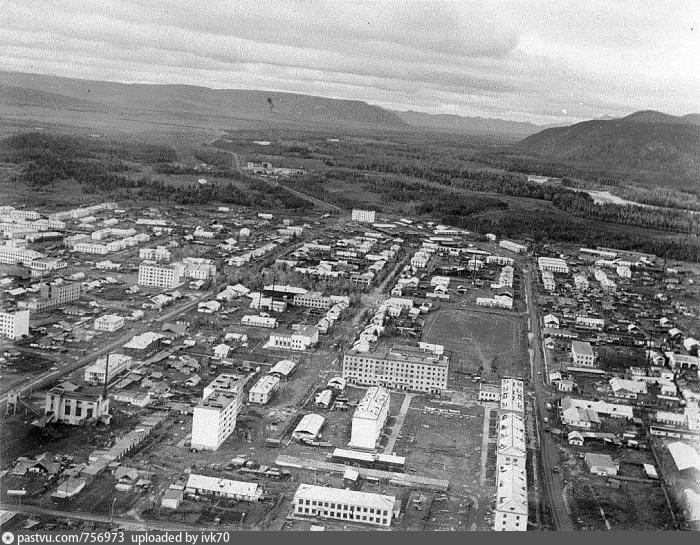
x=479, y=338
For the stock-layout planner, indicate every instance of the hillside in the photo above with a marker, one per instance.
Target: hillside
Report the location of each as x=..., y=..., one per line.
x=649, y=145
x=41, y=97
x=469, y=125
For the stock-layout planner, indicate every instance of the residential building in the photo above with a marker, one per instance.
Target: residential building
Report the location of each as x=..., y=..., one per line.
x=161, y=275
x=513, y=246
x=512, y=395
x=118, y=363
x=587, y=322
x=582, y=354
x=552, y=264
x=202, y=485
x=314, y=299
x=369, y=418
x=159, y=253
x=54, y=295
x=14, y=325
x=512, y=445
x=344, y=505
x=365, y=216
x=489, y=392
x=683, y=361
x=214, y=419
x=511, y=499
x=109, y=322
x=259, y=321
x=402, y=368
x=264, y=389
x=199, y=268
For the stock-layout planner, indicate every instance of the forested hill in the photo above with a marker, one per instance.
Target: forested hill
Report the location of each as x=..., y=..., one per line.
x=649, y=145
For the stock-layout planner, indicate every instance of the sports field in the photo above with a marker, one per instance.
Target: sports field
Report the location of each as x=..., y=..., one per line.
x=480, y=338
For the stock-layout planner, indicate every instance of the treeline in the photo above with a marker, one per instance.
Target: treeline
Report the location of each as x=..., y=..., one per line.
x=257, y=194
x=314, y=186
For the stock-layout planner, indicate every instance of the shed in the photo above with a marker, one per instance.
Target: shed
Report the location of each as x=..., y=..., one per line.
x=309, y=427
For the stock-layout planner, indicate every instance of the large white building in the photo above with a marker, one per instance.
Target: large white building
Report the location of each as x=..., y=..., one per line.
x=202, y=485
x=512, y=396
x=402, y=368
x=513, y=246
x=109, y=322
x=264, y=389
x=302, y=339
x=582, y=354
x=511, y=499
x=161, y=275
x=14, y=325
x=366, y=216
x=512, y=448
x=118, y=363
x=552, y=264
x=344, y=505
x=259, y=321
x=369, y=418
x=214, y=418
x=199, y=268
x=13, y=255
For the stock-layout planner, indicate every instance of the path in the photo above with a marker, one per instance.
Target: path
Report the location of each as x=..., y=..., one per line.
x=399, y=423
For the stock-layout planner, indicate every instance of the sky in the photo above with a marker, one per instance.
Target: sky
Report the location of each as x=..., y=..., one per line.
x=550, y=61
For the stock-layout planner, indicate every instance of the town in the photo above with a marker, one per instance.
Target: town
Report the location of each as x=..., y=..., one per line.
x=176, y=367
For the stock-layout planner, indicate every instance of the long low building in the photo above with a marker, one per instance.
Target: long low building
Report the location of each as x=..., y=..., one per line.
x=202, y=485
x=344, y=505
x=511, y=500
x=512, y=396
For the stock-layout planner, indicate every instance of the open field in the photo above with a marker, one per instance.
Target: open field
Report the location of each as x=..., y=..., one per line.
x=479, y=338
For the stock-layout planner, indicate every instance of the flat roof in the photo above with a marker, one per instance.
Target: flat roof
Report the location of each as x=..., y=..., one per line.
x=581, y=347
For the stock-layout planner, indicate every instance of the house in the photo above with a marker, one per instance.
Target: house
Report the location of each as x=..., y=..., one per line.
x=601, y=464
x=172, y=499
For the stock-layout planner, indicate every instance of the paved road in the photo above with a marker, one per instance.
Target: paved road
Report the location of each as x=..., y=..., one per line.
x=399, y=423
x=553, y=485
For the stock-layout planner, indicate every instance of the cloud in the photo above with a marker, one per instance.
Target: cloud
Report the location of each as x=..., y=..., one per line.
x=523, y=60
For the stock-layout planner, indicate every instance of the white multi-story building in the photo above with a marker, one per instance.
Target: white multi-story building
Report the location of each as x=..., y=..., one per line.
x=214, y=419
x=14, y=325
x=511, y=499
x=365, y=216
x=13, y=255
x=512, y=449
x=199, y=268
x=161, y=275
x=264, y=389
x=344, y=505
x=109, y=322
x=369, y=418
x=302, y=339
x=54, y=295
x=582, y=354
x=552, y=264
x=118, y=363
x=159, y=253
x=513, y=246
x=314, y=299
x=259, y=321
x=512, y=396
x=402, y=368
x=581, y=282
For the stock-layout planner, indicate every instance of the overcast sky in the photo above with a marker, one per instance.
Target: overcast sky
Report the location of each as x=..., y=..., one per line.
x=541, y=61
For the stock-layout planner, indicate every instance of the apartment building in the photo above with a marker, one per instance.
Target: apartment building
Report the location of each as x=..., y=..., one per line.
x=511, y=500
x=370, y=418
x=259, y=321
x=512, y=449
x=552, y=264
x=202, y=485
x=214, y=418
x=98, y=371
x=587, y=322
x=513, y=246
x=512, y=395
x=344, y=505
x=54, y=295
x=157, y=275
x=582, y=354
x=14, y=325
x=314, y=299
x=159, y=253
x=13, y=255
x=199, y=268
x=401, y=368
x=109, y=323
x=365, y=216
x=264, y=389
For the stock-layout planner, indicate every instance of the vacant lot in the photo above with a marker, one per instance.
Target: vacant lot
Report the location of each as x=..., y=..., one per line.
x=480, y=340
